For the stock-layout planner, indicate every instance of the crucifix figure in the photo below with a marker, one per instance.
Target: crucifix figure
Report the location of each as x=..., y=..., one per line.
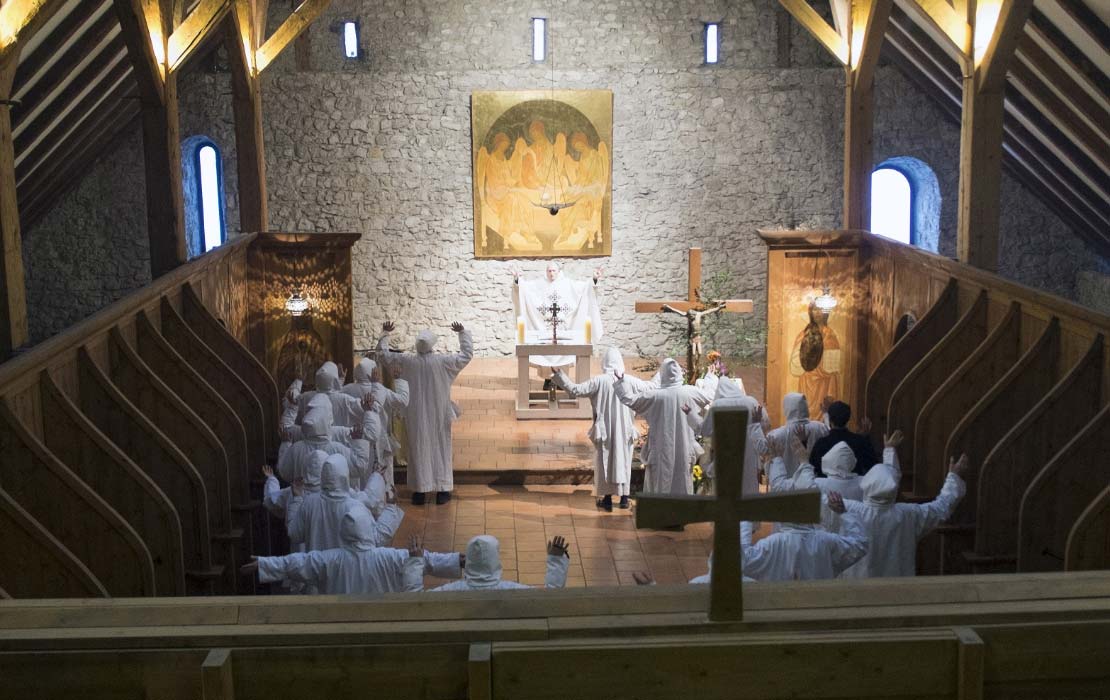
x=726, y=510
x=694, y=308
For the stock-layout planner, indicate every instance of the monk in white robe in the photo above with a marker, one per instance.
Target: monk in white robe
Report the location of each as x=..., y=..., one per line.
x=801, y=551
x=838, y=465
x=613, y=432
x=316, y=433
x=392, y=403
x=275, y=499
x=346, y=410
x=577, y=301
x=314, y=519
x=730, y=394
x=430, y=411
x=358, y=565
x=796, y=410
x=671, y=447
x=896, y=528
x=483, y=567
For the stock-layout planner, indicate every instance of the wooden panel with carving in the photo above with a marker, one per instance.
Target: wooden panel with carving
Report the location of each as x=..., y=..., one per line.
x=72, y=512
x=988, y=421
x=914, y=391
x=1088, y=544
x=147, y=446
x=907, y=352
x=239, y=358
x=46, y=568
x=1059, y=495
x=1025, y=450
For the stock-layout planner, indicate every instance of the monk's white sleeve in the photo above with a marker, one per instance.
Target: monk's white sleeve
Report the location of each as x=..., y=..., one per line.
x=442, y=565
x=638, y=402
x=412, y=575
x=890, y=457
x=399, y=395
x=851, y=543
x=587, y=388
x=294, y=522
x=777, y=475
x=301, y=567
x=556, y=575
x=927, y=516
x=466, y=352
x=388, y=521
x=271, y=497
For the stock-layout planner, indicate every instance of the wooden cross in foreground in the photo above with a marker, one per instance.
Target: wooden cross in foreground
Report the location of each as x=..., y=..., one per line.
x=694, y=308
x=726, y=510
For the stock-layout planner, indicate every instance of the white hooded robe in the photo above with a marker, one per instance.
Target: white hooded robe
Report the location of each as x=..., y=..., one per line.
x=613, y=432
x=796, y=409
x=838, y=465
x=671, y=448
x=314, y=519
x=731, y=395
x=357, y=566
x=483, y=569
x=392, y=403
x=430, y=411
x=896, y=528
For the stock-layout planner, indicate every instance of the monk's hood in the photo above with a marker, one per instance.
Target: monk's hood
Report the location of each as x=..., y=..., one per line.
x=483, y=562
x=612, y=363
x=839, y=461
x=795, y=407
x=357, y=529
x=880, y=485
x=317, y=417
x=363, y=370
x=425, y=342
x=670, y=374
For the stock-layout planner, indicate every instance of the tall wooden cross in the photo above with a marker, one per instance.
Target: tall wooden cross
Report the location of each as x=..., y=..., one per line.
x=694, y=308
x=726, y=510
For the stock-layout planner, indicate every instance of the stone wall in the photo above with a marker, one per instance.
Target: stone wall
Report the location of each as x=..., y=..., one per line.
x=380, y=145
x=91, y=248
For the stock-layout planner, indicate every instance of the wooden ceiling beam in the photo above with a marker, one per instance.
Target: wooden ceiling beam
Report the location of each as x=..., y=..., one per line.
x=13, y=292
x=188, y=36
x=1064, y=84
x=305, y=14
x=250, y=151
x=70, y=27
x=993, y=58
x=815, y=24
x=143, y=31
x=21, y=19
x=945, y=21
x=35, y=145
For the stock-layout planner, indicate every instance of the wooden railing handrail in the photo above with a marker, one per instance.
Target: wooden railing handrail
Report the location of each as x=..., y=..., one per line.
x=1044, y=304
x=23, y=369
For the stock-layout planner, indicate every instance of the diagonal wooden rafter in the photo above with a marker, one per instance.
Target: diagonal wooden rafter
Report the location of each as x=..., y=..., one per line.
x=816, y=25
x=993, y=59
x=191, y=32
x=946, y=20
x=304, y=15
x=143, y=31
x=20, y=19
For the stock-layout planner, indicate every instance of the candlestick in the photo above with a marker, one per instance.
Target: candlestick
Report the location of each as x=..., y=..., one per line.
x=520, y=330
x=589, y=331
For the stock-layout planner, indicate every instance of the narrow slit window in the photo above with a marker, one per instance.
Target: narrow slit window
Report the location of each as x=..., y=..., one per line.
x=891, y=205
x=350, y=39
x=539, y=39
x=211, y=215
x=712, y=42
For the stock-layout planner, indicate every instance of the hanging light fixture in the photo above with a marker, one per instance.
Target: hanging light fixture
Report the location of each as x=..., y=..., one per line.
x=826, y=302
x=549, y=200
x=296, y=304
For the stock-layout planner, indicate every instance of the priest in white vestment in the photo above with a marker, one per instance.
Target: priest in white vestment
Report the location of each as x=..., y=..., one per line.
x=578, y=304
x=613, y=432
x=671, y=447
x=430, y=410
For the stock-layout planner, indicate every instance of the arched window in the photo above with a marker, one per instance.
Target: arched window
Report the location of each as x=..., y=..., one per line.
x=203, y=184
x=891, y=205
x=905, y=202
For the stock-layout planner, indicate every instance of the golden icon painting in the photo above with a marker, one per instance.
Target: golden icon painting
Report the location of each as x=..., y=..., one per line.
x=543, y=173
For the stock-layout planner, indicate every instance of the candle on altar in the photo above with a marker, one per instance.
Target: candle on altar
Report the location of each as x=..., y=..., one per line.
x=520, y=330
x=589, y=331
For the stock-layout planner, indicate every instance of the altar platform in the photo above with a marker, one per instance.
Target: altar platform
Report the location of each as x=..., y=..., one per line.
x=492, y=447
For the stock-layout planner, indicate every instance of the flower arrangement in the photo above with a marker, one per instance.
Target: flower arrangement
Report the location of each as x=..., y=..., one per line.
x=702, y=481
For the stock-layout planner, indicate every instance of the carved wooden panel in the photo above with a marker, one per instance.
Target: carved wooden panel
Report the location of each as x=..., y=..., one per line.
x=239, y=358
x=971, y=380
x=1088, y=544
x=926, y=333
x=1059, y=495
x=147, y=446
x=37, y=565
x=928, y=375
x=1026, y=449
x=224, y=379
x=987, y=423
x=72, y=512
x=180, y=376
x=125, y=486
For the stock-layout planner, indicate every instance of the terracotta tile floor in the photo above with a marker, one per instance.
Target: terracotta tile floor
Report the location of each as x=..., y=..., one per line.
x=488, y=435
x=605, y=548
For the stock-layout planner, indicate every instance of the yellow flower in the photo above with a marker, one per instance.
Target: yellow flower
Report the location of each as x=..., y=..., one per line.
x=697, y=471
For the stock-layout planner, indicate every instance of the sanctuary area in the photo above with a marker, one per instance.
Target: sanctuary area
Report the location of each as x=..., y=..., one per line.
x=618, y=349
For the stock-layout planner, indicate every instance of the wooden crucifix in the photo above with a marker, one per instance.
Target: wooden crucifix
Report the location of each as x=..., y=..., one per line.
x=726, y=510
x=694, y=308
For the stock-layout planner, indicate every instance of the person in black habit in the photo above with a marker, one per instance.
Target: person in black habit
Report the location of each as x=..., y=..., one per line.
x=839, y=415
